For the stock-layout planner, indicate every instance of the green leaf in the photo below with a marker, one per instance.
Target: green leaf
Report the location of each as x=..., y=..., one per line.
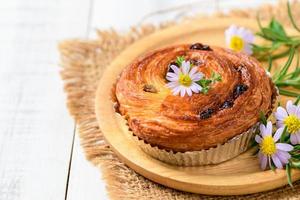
x=296, y=73
x=258, y=48
x=216, y=77
x=296, y=147
x=179, y=60
x=287, y=64
x=295, y=164
x=270, y=63
x=288, y=93
x=297, y=100
x=289, y=82
x=273, y=35
x=288, y=173
x=262, y=118
x=205, y=90
x=204, y=82
x=281, y=54
x=291, y=17
x=284, y=134
x=277, y=27
x=272, y=166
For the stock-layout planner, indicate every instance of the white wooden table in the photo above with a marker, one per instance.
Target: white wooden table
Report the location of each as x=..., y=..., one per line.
x=40, y=155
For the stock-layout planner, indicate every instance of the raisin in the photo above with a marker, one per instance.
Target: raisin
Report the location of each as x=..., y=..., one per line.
x=227, y=104
x=195, y=62
x=149, y=88
x=206, y=48
x=169, y=67
x=199, y=46
x=239, y=89
x=206, y=114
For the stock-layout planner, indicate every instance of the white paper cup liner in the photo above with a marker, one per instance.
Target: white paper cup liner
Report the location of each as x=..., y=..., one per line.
x=218, y=154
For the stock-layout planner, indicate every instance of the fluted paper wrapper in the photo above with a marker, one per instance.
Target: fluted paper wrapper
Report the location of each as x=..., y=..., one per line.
x=218, y=154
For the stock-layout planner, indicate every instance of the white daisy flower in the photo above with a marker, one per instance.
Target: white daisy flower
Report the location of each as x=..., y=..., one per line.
x=239, y=39
x=184, y=79
x=271, y=149
x=290, y=118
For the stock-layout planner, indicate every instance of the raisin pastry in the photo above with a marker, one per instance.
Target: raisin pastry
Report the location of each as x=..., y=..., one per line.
x=203, y=124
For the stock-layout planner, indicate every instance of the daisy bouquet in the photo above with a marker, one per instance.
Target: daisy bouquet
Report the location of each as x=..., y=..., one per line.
x=279, y=143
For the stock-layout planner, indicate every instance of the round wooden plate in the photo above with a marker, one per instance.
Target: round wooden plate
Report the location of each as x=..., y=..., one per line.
x=240, y=175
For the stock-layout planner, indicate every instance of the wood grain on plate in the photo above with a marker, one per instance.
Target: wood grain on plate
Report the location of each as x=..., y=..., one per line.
x=240, y=175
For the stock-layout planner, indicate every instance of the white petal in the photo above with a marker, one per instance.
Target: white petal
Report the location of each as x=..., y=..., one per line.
x=291, y=108
x=189, y=91
x=175, y=69
x=198, y=87
x=172, y=79
x=176, y=91
x=298, y=137
x=298, y=111
x=231, y=31
x=280, y=113
x=262, y=130
x=277, y=162
x=182, y=91
x=294, y=139
x=248, y=36
x=170, y=74
x=193, y=71
x=278, y=134
x=269, y=128
x=284, y=147
x=280, y=124
x=194, y=88
x=263, y=160
x=172, y=85
x=240, y=31
x=248, y=49
x=283, y=156
x=197, y=76
x=258, y=139
x=185, y=67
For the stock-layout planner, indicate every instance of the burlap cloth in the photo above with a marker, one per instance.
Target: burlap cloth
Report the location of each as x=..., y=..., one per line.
x=83, y=62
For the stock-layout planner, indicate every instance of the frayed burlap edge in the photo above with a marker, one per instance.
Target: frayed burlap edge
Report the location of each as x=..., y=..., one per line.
x=83, y=62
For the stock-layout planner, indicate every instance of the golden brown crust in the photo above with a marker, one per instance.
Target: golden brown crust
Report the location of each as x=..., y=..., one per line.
x=173, y=122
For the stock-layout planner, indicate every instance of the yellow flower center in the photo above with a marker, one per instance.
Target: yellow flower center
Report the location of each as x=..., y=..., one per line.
x=267, y=146
x=185, y=80
x=236, y=43
x=293, y=123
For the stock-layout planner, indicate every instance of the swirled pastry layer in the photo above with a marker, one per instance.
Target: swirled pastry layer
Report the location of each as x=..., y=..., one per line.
x=200, y=121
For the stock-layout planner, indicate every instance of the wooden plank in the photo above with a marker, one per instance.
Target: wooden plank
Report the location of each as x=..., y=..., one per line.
x=36, y=129
x=227, y=5
x=85, y=179
x=131, y=12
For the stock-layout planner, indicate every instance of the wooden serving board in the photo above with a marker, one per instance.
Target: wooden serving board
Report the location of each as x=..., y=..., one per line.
x=240, y=175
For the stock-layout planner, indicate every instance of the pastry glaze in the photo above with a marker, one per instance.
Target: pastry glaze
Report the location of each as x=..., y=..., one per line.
x=171, y=122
